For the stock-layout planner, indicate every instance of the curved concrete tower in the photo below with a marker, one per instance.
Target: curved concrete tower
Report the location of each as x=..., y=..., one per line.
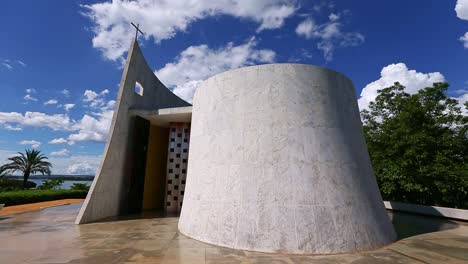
x=278, y=163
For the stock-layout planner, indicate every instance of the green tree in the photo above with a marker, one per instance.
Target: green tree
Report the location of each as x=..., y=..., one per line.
x=79, y=187
x=30, y=162
x=3, y=171
x=53, y=184
x=418, y=145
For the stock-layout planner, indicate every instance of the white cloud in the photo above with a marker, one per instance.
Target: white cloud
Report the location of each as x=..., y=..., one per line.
x=33, y=143
x=80, y=164
x=62, y=152
x=65, y=92
x=29, y=97
x=81, y=169
x=67, y=107
x=161, y=19
x=36, y=119
x=58, y=141
x=95, y=99
x=462, y=9
x=12, y=128
x=196, y=63
x=51, y=102
x=22, y=63
x=464, y=39
x=306, y=28
x=29, y=91
x=329, y=35
x=411, y=79
x=93, y=128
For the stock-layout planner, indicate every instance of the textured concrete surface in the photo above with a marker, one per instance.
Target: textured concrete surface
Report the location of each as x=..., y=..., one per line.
x=109, y=190
x=453, y=213
x=278, y=163
x=50, y=236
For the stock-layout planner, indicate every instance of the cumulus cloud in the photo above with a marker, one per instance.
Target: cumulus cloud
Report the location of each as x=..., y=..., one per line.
x=51, y=102
x=462, y=12
x=80, y=164
x=36, y=119
x=464, y=40
x=411, y=79
x=329, y=35
x=462, y=9
x=12, y=128
x=196, y=63
x=81, y=169
x=162, y=20
x=95, y=99
x=67, y=107
x=58, y=141
x=32, y=143
x=93, y=128
x=62, y=152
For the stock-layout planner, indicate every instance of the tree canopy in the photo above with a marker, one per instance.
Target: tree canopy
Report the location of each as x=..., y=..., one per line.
x=418, y=144
x=30, y=162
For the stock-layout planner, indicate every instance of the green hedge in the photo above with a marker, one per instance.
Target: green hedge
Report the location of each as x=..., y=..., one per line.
x=33, y=196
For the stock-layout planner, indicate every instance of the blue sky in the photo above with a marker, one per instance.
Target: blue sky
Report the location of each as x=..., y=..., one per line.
x=61, y=61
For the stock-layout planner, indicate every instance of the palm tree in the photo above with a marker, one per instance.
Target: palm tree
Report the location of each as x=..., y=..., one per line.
x=3, y=171
x=30, y=163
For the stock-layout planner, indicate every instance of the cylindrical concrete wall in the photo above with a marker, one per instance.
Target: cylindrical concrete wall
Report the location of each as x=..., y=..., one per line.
x=278, y=163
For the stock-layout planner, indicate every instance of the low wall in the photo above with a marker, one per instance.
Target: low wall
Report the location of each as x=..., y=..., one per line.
x=453, y=213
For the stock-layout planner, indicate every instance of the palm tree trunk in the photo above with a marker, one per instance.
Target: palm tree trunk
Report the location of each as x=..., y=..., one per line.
x=25, y=178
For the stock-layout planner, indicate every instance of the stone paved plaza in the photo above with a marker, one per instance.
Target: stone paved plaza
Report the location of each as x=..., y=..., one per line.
x=50, y=236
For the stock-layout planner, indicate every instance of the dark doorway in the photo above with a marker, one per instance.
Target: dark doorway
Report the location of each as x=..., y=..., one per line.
x=137, y=177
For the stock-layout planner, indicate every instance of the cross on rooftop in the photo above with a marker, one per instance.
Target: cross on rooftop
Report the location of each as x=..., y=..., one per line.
x=137, y=27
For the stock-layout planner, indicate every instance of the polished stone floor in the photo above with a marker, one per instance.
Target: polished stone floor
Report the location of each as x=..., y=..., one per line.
x=50, y=236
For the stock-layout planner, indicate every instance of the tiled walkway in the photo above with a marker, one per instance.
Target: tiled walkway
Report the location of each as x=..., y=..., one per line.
x=50, y=236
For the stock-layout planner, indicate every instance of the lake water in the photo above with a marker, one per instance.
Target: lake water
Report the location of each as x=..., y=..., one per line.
x=65, y=185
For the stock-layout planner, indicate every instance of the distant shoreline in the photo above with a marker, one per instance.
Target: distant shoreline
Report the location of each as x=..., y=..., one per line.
x=55, y=177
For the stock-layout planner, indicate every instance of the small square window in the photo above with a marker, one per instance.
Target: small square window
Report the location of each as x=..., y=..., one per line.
x=171, y=160
x=183, y=181
x=185, y=140
x=185, y=150
x=172, y=129
x=177, y=165
x=179, y=135
x=168, y=204
x=177, y=176
x=170, y=170
x=182, y=192
x=177, y=155
x=176, y=187
x=171, y=150
x=175, y=198
x=186, y=130
x=169, y=192
x=184, y=160
x=172, y=139
x=169, y=181
x=179, y=145
x=183, y=170
x=180, y=203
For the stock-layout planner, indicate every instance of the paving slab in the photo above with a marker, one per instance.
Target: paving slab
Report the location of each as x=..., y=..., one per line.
x=50, y=236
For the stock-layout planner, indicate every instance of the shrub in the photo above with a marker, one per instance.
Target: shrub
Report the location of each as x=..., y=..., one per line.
x=11, y=184
x=33, y=196
x=50, y=184
x=79, y=187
